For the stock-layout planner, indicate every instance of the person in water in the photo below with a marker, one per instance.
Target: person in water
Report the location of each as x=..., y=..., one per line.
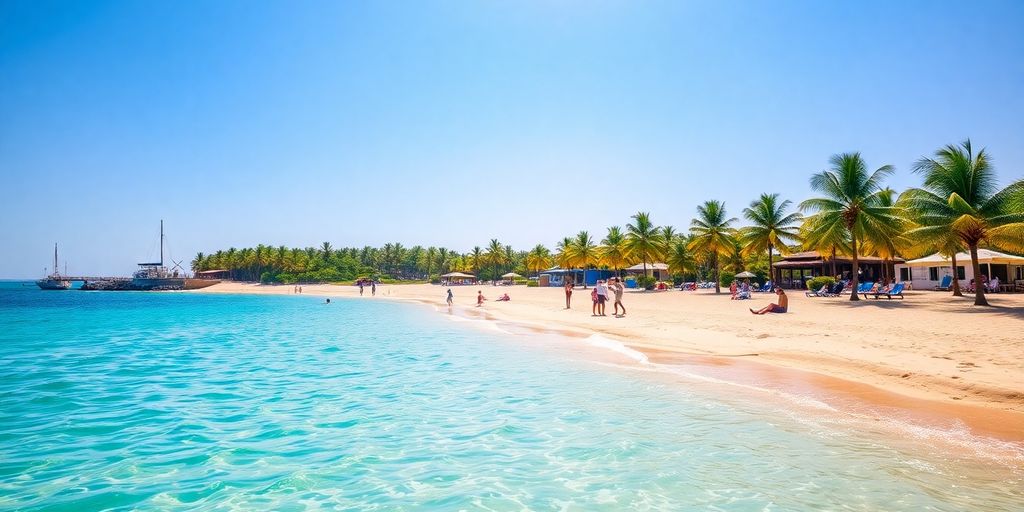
x=781, y=307
x=451, y=297
x=328, y=301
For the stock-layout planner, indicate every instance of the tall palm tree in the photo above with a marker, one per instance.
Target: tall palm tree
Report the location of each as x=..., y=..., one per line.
x=668, y=234
x=584, y=252
x=198, y=262
x=679, y=258
x=889, y=246
x=712, y=234
x=475, y=258
x=495, y=257
x=539, y=257
x=644, y=241
x=852, y=199
x=613, y=249
x=563, y=254
x=326, y=249
x=770, y=228
x=960, y=196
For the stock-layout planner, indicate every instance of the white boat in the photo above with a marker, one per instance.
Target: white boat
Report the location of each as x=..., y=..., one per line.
x=155, y=276
x=54, y=281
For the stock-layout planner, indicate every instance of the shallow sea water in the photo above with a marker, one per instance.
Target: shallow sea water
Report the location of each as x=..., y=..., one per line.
x=149, y=401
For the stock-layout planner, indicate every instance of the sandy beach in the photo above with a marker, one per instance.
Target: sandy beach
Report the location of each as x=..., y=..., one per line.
x=930, y=352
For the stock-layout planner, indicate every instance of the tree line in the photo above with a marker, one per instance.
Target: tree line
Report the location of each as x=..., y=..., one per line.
x=958, y=207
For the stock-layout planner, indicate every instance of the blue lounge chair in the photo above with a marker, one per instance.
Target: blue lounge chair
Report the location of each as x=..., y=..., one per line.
x=945, y=284
x=897, y=290
x=865, y=287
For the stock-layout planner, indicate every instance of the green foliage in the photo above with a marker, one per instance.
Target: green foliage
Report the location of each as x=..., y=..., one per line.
x=727, y=278
x=646, y=282
x=532, y=284
x=817, y=282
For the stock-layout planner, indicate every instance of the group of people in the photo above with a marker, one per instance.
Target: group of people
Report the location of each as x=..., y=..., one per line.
x=373, y=286
x=613, y=288
x=740, y=291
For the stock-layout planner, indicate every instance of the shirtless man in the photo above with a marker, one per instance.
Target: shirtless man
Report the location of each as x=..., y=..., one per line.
x=781, y=307
x=616, y=288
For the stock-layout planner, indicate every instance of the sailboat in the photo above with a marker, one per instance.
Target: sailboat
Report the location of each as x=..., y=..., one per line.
x=155, y=276
x=54, y=281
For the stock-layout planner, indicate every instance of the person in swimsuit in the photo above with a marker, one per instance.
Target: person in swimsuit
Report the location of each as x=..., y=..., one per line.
x=781, y=307
x=450, y=297
x=480, y=298
x=568, y=293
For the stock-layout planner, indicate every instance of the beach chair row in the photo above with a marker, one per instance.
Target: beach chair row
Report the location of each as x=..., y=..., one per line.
x=867, y=289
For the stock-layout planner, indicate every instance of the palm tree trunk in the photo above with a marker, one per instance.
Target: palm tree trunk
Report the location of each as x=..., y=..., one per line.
x=853, y=273
x=979, y=286
x=956, y=279
x=771, y=270
x=718, y=278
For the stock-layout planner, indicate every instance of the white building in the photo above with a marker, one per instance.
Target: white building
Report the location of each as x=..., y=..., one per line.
x=926, y=273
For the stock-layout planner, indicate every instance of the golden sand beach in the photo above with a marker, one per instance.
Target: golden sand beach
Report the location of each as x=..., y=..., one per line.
x=931, y=353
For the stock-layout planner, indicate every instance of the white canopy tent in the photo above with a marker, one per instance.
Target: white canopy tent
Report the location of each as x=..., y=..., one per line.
x=927, y=272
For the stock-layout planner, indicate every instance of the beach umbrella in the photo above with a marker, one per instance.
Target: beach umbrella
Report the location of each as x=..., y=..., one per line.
x=745, y=275
x=511, y=275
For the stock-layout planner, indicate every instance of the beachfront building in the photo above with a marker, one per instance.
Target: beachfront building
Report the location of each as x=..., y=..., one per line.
x=556, y=276
x=658, y=270
x=794, y=270
x=928, y=272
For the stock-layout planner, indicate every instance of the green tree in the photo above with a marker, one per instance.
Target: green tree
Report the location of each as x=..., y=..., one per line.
x=539, y=257
x=614, y=252
x=679, y=258
x=494, y=257
x=712, y=234
x=644, y=241
x=770, y=229
x=960, y=196
x=852, y=198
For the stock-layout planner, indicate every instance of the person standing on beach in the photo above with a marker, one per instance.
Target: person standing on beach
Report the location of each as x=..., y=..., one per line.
x=360, y=287
x=373, y=288
x=568, y=294
x=450, y=297
x=602, y=296
x=617, y=290
x=480, y=298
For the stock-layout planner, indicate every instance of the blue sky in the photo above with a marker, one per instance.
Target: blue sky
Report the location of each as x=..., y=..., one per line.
x=450, y=123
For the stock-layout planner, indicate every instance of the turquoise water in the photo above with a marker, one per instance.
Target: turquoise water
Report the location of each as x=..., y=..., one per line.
x=135, y=401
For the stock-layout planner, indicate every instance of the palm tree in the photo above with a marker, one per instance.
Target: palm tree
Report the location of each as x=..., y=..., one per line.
x=197, y=263
x=326, y=249
x=613, y=249
x=563, y=254
x=668, y=234
x=960, y=197
x=679, y=258
x=583, y=252
x=712, y=234
x=495, y=257
x=889, y=246
x=852, y=199
x=770, y=227
x=539, y=257
x=644, y=240
x=475, y=258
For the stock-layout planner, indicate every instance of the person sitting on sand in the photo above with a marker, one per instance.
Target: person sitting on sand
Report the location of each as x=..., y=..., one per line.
x=745, y=290
x=732, y=290
x=504, y=298
x=480, y=298
x=781, y=307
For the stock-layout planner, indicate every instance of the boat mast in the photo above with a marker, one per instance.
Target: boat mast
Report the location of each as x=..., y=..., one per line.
x=55, y=272
x=161, y=242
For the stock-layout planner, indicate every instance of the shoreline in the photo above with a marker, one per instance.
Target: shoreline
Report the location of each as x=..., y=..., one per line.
x=786, y=359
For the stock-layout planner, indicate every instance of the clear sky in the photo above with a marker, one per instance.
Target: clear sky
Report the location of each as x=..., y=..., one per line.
x=450, y=123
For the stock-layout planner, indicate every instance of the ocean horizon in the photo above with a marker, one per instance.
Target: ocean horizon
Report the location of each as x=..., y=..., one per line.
x=178, y=401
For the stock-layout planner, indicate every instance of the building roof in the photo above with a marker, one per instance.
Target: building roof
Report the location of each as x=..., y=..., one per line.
x=984, y=256
x=814, y=258
x=650, y=266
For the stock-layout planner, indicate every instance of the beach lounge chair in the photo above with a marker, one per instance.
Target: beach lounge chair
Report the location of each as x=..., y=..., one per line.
x=822, y=292
x=835, y=290
x=896, y=290
x=865, y=287
x=945, y=284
